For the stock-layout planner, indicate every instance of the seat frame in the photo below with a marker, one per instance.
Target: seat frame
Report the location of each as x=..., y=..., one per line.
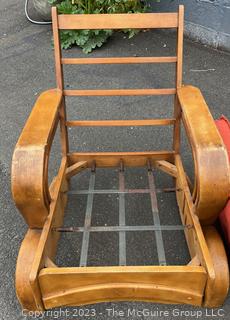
x=40, y=283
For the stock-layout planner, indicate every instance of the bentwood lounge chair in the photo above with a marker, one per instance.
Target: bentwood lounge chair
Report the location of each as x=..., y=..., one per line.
x=40, y=282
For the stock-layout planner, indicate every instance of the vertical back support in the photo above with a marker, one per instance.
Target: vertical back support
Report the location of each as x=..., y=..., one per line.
x=179, y=73
x=180, y=47
x=60, y=82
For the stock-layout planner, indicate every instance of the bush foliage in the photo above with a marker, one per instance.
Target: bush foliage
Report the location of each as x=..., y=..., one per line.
x=90, y=39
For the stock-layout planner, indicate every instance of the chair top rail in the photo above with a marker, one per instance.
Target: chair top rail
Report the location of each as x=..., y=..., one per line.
x=118, y=21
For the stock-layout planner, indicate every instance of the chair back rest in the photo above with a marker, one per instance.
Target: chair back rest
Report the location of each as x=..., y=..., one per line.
x=118, y=21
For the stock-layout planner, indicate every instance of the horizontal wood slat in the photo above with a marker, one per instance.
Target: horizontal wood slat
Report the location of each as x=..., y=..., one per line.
x=113, y=159
x=120, y=123
x=118, y=21
x=119, y=60
x=120, y=92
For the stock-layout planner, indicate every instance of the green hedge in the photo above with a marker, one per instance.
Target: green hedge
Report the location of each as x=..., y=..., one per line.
x=91, y=39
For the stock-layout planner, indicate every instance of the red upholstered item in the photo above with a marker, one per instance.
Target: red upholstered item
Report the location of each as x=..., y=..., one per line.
x=223, y=126
x=225, y=222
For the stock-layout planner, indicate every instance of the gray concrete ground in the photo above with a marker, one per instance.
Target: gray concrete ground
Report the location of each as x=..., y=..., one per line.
x=27, y=68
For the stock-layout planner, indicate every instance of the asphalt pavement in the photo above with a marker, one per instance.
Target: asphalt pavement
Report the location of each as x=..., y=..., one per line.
x=27, y=68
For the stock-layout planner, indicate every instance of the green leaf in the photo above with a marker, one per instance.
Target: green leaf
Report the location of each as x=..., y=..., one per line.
x=96, y=40
x=66, y=7
x=52, y=2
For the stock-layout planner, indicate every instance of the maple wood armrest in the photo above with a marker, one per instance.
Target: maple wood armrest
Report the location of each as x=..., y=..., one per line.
x=30, y=159
x=211, y=162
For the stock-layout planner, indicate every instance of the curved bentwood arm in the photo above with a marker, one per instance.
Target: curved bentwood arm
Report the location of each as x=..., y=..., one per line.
x=212, y=182
x=30, y=159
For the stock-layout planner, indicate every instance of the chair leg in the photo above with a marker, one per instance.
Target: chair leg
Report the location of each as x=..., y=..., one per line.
x=217, y=288
x=26, y=255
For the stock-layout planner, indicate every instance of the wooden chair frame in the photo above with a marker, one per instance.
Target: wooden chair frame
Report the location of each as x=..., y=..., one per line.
x=40, y=284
